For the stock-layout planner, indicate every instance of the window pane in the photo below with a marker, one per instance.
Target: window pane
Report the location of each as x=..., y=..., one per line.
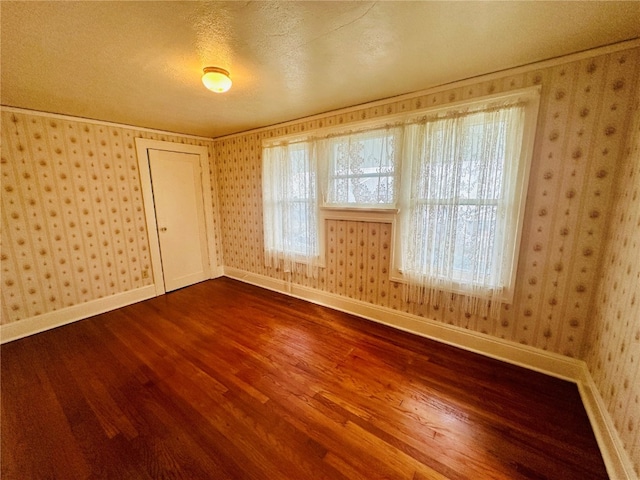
x=290, y=205
x=301, y=228
x=362, y=168
x=481, y=165
x=459, y=215
x=360, y=190
x=474, y=232
x=465, y=163
x=453, y=236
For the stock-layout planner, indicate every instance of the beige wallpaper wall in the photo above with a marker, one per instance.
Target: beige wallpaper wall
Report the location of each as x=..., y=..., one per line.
x=583, y=117
x=613, y=347
x=73, y=227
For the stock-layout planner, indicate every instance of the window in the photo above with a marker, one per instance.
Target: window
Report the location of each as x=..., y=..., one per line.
x=463, y=170
x=465, y=179
x=289, y=187
x=362, y=168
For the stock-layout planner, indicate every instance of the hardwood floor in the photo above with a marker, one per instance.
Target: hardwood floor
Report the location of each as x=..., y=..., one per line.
x=226, y=380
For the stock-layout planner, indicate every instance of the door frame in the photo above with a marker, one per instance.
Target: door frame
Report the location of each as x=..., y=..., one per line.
x=143, y=145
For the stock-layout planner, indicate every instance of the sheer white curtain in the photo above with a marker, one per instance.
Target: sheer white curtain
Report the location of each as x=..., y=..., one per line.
x=361, y=167
x=290, y=207
x=459, y=207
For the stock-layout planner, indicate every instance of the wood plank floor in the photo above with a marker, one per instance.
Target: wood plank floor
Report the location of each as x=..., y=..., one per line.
x=226, y=380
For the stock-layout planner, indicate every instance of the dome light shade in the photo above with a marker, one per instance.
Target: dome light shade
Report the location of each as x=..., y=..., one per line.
x=216, y=79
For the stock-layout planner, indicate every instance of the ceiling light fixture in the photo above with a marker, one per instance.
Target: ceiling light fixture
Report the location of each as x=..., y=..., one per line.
x=216, y=79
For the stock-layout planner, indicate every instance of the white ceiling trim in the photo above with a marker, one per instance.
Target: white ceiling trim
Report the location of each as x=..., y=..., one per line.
x=60, y=116
x=615, y=47
x=552, y=62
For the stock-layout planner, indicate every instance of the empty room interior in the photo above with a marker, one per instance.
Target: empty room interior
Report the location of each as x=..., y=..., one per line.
x=309, y=240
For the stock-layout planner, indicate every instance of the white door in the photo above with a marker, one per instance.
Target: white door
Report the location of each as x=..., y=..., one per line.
x=179, y=208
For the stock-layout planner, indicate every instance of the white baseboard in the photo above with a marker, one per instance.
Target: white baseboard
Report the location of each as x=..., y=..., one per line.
x=615, y=457
x=217, y=272
x=57, y=318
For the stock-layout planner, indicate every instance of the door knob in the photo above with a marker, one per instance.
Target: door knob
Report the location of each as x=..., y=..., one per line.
x=163, y=229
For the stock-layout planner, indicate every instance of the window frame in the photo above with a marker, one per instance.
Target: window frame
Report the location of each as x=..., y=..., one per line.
x=330, y=171
x=385, y=213
x=294, y=255
x=531, y=97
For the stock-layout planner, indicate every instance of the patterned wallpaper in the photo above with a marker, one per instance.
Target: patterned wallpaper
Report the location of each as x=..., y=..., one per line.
x=613, y=347
x=73, y=227
x=584, y=113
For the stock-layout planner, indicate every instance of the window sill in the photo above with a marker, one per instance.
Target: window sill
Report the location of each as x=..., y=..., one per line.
x=360, y=214
x=458, y=288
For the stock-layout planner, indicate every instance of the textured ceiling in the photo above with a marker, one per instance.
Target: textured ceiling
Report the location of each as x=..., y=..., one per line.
x=139, y=63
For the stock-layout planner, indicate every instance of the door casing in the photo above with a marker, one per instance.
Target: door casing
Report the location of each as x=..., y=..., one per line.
x=142, y=147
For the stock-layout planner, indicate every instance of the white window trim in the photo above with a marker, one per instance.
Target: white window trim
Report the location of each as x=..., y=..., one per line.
x=383, y=132
x=399, y=119
x=389, y=213
x=294, y=257
x=532, y=97
x=361, y=214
